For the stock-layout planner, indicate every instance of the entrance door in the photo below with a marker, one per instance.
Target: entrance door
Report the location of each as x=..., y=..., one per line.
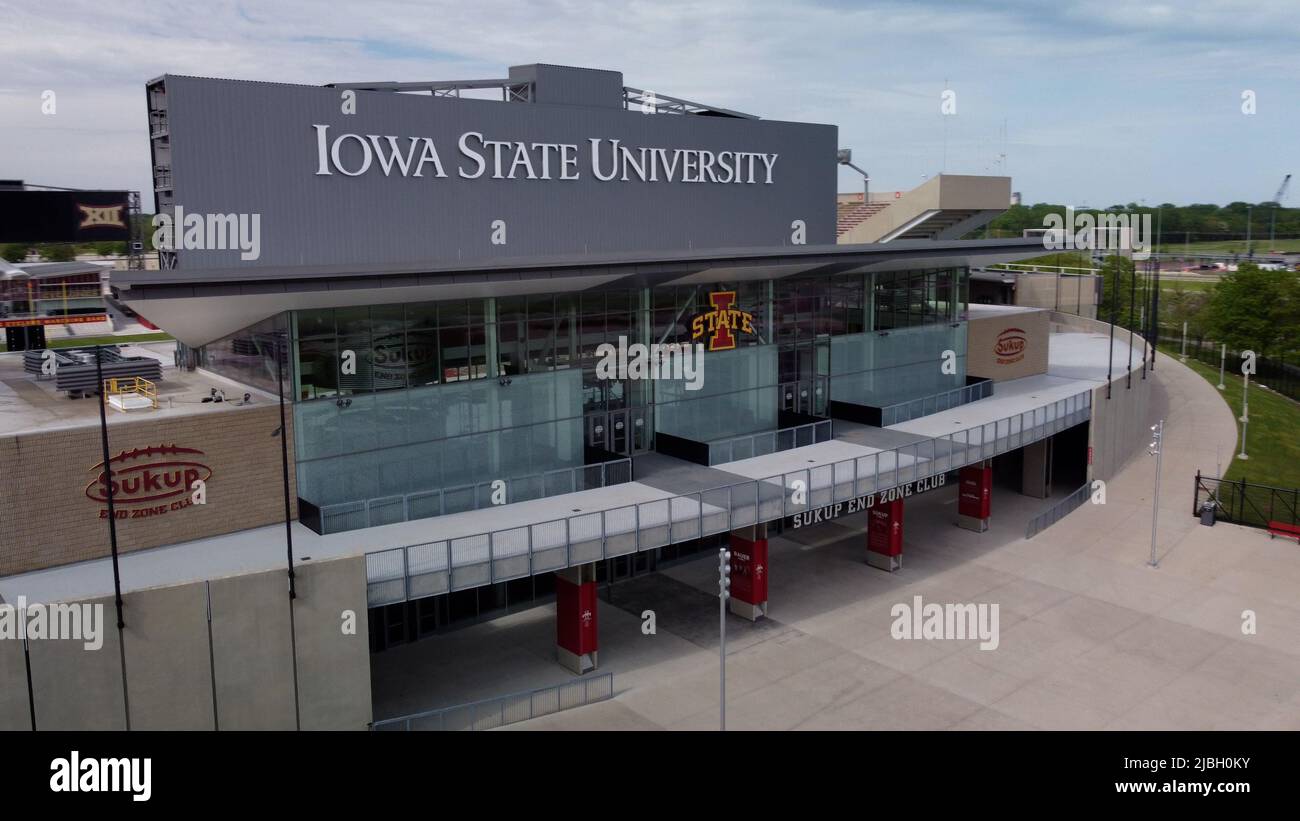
x=624, y=432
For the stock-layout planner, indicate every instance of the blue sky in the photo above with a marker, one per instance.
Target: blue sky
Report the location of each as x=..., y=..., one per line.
x=1101, y=103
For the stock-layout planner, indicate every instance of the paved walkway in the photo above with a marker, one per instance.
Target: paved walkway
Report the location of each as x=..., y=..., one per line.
x=1091, y=637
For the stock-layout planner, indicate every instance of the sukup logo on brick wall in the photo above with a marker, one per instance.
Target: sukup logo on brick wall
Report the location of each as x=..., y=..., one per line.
x=1010, y=346
x=723, y=322
x=150, y=481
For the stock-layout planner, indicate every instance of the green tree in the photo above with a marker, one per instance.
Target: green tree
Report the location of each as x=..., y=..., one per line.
x=1179, y=304
x=57, y=252
x=106, y=249
x=14, y=252
x=1254, y=310
x=1117, y=291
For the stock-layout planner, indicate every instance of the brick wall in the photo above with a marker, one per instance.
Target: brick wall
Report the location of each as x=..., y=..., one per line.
x=46, y=517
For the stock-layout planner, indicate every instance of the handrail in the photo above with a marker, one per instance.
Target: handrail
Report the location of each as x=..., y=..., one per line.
x=490, y=713
x=417, y=504
x=901, y=412
x=443, y=565
x=792, y=437
x=1056, y=512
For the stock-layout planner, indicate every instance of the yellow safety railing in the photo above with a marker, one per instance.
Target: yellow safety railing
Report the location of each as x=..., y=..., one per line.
x=130, y=385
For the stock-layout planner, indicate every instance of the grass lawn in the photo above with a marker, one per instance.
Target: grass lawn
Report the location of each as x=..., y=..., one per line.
x=1260, y=245
x=1273, y=437
x=79, y=341
x=1168, y=285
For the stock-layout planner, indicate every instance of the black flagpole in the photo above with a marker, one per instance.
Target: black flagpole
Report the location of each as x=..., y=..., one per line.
x=108, y=481
x=284, y=463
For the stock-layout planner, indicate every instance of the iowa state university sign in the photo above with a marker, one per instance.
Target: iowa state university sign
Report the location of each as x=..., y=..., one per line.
x=607, y=160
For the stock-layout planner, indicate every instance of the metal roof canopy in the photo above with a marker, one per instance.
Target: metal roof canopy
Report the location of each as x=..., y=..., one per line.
x=177, y=300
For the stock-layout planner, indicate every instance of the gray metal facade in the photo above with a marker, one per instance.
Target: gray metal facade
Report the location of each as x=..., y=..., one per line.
x=250, y=148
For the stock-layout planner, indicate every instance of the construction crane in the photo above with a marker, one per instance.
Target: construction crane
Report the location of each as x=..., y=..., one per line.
x=1277, y=200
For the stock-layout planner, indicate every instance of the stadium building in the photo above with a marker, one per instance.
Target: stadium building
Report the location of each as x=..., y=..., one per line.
x=524, y=344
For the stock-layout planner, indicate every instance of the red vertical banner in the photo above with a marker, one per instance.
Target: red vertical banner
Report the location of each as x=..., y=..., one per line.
x=975, y=495
x=575, y=616
x=748, y=570
x=885, y=528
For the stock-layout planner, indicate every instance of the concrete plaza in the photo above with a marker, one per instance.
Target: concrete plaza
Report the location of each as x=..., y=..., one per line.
x=1091, y=637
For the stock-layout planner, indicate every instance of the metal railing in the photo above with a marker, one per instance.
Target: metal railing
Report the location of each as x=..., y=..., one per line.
x=496, y=712
x=770, y=441
x=1057, y=512
x=424, y=504
x=437, y=567
x=1246, y=503
x=901, y=412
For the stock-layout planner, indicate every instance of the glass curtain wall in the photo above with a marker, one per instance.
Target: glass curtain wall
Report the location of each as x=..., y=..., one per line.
x=395, y=399
x=248, y=356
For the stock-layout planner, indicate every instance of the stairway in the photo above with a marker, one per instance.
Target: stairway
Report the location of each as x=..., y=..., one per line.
x=850, y=215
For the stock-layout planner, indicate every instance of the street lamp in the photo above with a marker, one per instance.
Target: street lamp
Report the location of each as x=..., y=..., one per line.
x=1156, y=449
x=1223, y=356
x=1245, y=411
x=724, y=592
x=845, y=157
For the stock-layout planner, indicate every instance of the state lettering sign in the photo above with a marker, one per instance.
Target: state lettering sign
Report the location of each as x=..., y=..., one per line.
x=723, y=322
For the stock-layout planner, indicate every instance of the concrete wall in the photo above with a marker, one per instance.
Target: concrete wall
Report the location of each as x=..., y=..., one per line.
x=15, y=711
x=79, y=689
x=168, y=664
x=253, y=652
x=1071, y=294
x=333, y=666
x=177, y=678
x=1121, y=427
x=985, y=328
x=49, y=519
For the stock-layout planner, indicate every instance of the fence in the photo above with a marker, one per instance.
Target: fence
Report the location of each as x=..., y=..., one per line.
x=442, y=501
x=935, y=403
x=498, y=712
x=1275, y=374
x=760, y=444
x=1245, y=503
x=437, y=567
x=1056, y=512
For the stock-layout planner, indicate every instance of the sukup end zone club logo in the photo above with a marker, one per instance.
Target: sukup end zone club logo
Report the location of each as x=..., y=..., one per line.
x=722, y=322
x=1010, y=346
x=149, y=481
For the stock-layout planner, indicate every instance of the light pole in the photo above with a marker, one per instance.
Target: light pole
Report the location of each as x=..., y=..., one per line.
x=724, y=591
x=1223, y=357
x=1156, y=449
x=1245, y=412
x=1182, y=357
x=1249, y=210
x=845, y=157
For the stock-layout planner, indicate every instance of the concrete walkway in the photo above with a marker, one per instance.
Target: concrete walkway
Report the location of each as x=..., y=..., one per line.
x=1090, y=636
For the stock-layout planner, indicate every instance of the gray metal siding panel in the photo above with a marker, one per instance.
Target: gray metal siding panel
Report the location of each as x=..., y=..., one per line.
x=249, y=147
